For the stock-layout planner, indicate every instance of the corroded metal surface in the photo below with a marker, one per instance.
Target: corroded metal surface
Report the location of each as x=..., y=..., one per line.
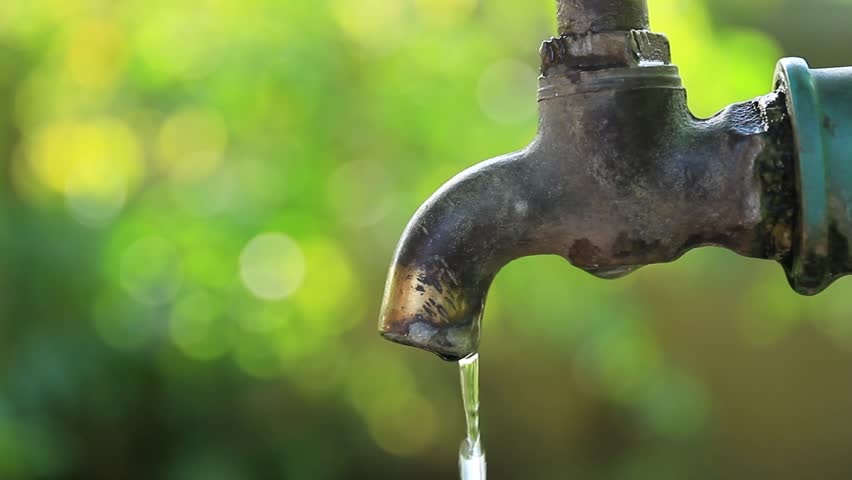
x=620, y=175
x=581, y=16
x=592, y=51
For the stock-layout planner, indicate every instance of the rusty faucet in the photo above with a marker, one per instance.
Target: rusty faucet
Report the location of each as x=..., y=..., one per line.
x=622, y=175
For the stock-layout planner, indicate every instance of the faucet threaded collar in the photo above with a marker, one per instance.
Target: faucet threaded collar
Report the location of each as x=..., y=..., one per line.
x=598, y=51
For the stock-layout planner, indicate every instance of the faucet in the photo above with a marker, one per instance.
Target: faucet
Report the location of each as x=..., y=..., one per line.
x=621, y=175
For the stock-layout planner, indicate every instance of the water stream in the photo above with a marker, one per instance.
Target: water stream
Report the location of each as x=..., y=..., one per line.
x=471, y=455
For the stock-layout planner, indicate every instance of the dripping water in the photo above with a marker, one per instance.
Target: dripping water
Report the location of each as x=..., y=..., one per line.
x=471, y=455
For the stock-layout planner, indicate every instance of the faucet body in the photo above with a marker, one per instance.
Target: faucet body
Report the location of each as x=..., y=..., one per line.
x=620, y=175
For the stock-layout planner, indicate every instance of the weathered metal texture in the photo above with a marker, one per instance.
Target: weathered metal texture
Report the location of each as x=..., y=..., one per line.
x=597, y=51
x=620, y=175
x=820, y=104
x=581, y=16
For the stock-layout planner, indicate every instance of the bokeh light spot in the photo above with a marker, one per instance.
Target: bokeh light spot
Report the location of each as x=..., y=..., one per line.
x=198, y=326
x=93, y=201
x=150, y=271
x=272, y=266
x=192, y=144
x=94, y=165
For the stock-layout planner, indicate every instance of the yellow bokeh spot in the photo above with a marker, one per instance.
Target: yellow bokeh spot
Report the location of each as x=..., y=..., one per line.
x=445, y=12
x=101, y=150
x=192, y=144
x=96, y=54
x=94, y=164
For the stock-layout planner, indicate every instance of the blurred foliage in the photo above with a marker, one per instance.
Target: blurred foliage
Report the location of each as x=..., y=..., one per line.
x=199, y=202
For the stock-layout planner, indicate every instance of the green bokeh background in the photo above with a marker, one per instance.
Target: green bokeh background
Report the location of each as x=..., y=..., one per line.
x=199, y=200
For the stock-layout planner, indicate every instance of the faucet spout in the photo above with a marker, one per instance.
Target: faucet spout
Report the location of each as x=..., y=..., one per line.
x=453, y=248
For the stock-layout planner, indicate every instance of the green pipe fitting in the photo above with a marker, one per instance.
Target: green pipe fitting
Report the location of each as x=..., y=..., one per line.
x=819, y=102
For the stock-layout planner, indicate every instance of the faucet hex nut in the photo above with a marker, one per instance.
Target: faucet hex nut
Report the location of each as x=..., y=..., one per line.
x=596, y=51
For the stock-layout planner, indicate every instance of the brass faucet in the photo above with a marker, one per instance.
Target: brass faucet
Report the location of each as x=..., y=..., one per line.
x=622, y=175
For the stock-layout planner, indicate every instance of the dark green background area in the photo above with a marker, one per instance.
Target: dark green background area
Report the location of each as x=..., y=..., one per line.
x=199, y=201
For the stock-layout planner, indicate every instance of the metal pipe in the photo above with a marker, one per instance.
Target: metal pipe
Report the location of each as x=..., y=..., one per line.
x=581, y=16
